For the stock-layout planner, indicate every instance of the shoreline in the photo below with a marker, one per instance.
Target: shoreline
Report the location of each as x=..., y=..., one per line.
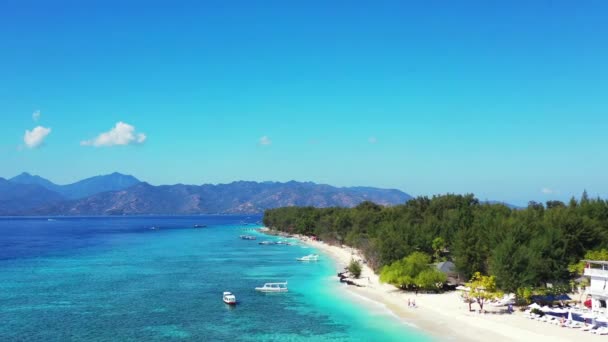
x=444, y=316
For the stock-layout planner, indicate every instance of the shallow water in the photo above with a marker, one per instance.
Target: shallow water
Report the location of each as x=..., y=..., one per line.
x=115, y=279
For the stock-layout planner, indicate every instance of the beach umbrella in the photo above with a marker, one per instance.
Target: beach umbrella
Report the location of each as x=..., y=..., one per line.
x=602, y=319
x=559, y=311
x=546, y=309
x=534, y=306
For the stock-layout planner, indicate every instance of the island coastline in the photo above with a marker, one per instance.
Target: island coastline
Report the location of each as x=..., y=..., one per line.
x=443, y=316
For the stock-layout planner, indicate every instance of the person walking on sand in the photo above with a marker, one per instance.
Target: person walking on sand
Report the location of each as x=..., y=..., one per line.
x=409, y=302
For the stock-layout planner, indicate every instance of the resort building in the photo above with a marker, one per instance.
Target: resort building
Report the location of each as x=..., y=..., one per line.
x=454, y=278
x=597, y=271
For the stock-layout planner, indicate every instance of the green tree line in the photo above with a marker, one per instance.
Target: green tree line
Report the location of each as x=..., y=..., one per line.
x=525, y=247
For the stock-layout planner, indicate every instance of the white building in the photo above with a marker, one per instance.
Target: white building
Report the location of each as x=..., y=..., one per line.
x=597, y=271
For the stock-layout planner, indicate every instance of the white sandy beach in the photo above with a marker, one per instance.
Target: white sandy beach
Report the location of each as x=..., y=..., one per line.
x=445, y=316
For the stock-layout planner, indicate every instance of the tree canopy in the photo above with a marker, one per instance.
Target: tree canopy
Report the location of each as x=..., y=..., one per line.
x=483, y=288
x=520, y=247
x=354, y=267
x=412, y=273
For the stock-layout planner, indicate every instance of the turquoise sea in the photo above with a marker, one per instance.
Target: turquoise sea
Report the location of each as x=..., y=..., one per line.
x=116, y=279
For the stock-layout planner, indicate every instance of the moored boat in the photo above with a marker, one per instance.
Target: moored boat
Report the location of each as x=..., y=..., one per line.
x=310, y=257
x=229, y=298
x=273, y=287
x=285, y=243
x=267, y=243
x=247, y=237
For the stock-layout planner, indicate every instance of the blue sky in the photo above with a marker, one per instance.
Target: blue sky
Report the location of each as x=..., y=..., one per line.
x=503, y=99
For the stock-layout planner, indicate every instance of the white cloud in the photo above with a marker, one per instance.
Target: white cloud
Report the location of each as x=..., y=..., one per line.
x=36, y=136
x=121, y=134
x=372, y=140
x=548, y=191
x=36, y=115
x=265, y=141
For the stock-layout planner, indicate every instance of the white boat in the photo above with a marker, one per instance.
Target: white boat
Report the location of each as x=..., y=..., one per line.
x=247, y=237
x=267, y=243
x=273, y=287
x=229, y=298
x=310, y=257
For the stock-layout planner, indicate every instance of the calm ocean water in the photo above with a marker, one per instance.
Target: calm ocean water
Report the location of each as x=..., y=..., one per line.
x=115, y=279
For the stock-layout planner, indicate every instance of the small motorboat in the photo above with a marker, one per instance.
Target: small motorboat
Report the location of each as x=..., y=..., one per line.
x=273, y=287
x=200, y=226
x=247, y=237
x=310, y=257
x=285, y=243
x=267, y=243
x=229, y=298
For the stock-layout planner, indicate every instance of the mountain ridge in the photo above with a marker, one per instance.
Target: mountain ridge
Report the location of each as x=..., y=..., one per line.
x=238, y=197
x=82, y=188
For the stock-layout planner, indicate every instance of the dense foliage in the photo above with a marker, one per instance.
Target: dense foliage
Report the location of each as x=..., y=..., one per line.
x=413, y=272
x=526, y=247
x=482, y=288
x=354, y=268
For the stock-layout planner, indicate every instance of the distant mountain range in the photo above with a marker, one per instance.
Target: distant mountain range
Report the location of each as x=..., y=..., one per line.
x=118, y=194
x=83, y=188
